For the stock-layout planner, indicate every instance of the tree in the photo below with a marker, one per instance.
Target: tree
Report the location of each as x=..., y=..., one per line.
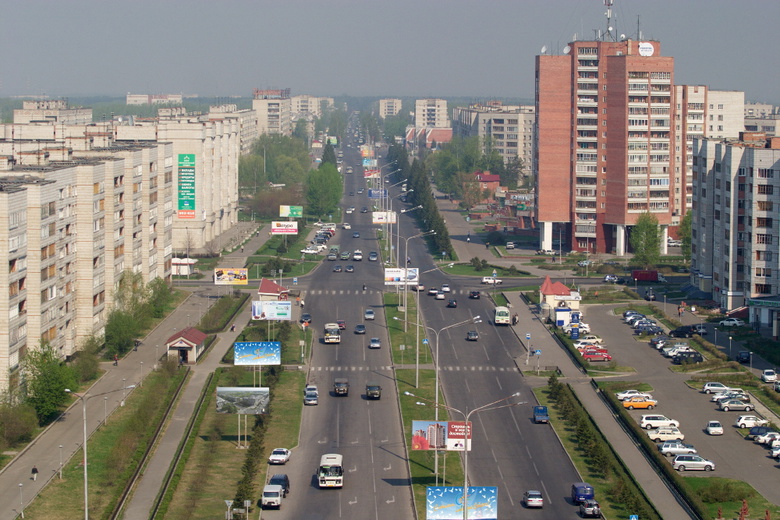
x=301, y=131
x=646, y=240
x=160, y=296
x=46, y=379
x=328, y=155
x=684, y=232
x=323, y=192
x=122, y=329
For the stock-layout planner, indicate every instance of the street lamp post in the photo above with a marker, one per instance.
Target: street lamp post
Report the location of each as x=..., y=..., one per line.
x=60, y=461
x=84, y=398
x=729, y=347
x=21, y=500
x=475, y=319
x=467, y=433
x=406, y=255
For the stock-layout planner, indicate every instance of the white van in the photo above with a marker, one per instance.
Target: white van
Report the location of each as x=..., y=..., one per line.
x=272, y=496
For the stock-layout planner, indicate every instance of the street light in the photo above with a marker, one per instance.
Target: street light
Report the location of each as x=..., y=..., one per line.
x=729, y=347
x=406, y=253
x=21, y=500
x=475, y=319
x=467, y=430
x=84, y=398
x=60, y=461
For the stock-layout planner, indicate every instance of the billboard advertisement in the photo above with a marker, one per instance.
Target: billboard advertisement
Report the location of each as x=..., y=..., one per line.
x=291, y=211
x=186, y=192
x=383, y=217
x=284, y=228
x=370, y=173
x=239, y=276
x=245, y=400
x=272, y=310
x=402, y=276
x=257, y=353
x=369, y=163
x=377, y=194
x=441, y=435
x=446, y=503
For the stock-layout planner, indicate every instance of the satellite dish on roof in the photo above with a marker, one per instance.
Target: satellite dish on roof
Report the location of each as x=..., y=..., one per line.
x=623, y=37
x=544, y=49
x=566, y=50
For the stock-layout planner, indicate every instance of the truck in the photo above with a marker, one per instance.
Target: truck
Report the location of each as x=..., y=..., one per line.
x=540, y=414
x=341, y=386
x=646, y=275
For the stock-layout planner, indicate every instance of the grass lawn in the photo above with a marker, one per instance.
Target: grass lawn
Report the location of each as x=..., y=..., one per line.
x=715, y=485
x=396, y=331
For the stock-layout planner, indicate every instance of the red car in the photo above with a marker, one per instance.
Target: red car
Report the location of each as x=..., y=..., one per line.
x=342, y=324
x=592, y=355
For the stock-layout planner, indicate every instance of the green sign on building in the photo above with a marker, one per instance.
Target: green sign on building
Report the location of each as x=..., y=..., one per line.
x=186, y=209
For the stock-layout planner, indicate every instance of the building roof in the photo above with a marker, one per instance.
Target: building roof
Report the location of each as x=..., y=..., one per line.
x=271, y=288
x=487, y=177
x=190, y=335
x=554, y=288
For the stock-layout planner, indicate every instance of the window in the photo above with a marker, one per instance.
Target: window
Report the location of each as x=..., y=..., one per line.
x=764, y=189
x=763, y=288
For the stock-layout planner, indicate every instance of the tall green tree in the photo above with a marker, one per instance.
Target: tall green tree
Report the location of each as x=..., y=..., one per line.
x=328, y=155
x=46, y=379
x=300, y=131
x=122, y=329
x=324, y=188
x=684, y=232
x=645, y=240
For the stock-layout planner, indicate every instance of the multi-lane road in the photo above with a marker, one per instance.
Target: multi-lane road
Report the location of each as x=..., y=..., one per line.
x=508, y=450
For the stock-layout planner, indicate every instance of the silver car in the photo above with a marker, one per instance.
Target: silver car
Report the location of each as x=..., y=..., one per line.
x=735, y=404
x=671, y=448
x=692, y=462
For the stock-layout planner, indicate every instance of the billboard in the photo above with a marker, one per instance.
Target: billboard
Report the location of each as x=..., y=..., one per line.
x=446, y=503
x=402, y=275
x=284, y=228
x=383, y=217
x=291, y=211
x=257, y=353
x=441, y=435
x=272, y=310
x=377, y=194
x=186, y=191
x=243, y=400
x=370, y=173
x=225, y=276
x=333, y=140
x=369, y=163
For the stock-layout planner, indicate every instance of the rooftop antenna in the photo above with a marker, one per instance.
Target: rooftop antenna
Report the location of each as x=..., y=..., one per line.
x=608, y=33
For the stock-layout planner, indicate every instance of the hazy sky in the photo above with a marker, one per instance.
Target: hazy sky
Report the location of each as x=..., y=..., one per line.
x=471, y=48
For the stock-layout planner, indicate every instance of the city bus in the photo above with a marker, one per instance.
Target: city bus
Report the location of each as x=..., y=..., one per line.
x=331, y=471
x=503, y=317
x=332, y=333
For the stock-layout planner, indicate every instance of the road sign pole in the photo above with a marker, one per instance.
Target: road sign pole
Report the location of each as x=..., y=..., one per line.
x=527, y=348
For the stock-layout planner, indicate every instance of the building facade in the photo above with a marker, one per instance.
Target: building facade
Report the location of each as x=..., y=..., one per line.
x=247, y=123
x=274, y=111
x=389, y=107
x=507, y=129
x=431, y=113
x=154, y=99
x=735, y=232
x=605, y=140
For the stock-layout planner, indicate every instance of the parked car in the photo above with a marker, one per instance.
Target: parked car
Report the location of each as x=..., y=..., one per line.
x=590, y=509
x=583, y=327
x=673, y=448
x=743, y=356
x=714, y=387
x=682, y=332
x=731, y=322
x=533, y=498
x=769, y=376
x=279, y=456
x=692, y=462
x=735, y=404
x=627, y=394
x=592, y=337
x=640, y=403
x=596, y=356
x=582, y=491
x=767, y=438
x=668, y=433
x=610, y=278
x=310, y=397
x=582, y=344
x=714, y=428
x=659, y=341
x=733, y=393
x=687, y=357
x=282, y=480
x=648, y=422
x=757, y=431
x=748, y=421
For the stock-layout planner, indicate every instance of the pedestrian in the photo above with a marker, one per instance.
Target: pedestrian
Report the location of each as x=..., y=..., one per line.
x=34, y=473
x=297, y=300
x=468, y=239
x=487, y=245
x=116, y=360
x=242, y=249
x=364, y=287
x=233, y=328
x=302, y=304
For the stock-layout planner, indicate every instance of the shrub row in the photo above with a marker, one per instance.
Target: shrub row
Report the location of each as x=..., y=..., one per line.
x=623, y=489
x=223, y=312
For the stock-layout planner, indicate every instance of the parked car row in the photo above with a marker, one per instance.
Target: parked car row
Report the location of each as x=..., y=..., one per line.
x=678, y=351
x=728, y=399
x=667, y=432
x=642, y=324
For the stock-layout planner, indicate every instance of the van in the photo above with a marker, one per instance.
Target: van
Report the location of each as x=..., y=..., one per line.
x=341, y=386
x=581, y=491
x=272, y=496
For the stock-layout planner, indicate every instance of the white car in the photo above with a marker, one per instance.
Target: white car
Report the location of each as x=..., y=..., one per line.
x=592, y=338
x=714, y=428
x=440, y=295
x=584, y=327
x=369, y=314
x=650, y=421
x=731, y=322
x=375, y=343
x=748, y=421
x=776, y=452
x=668, y=433
x=769, y=376
x=279, y=456
x=445, y=288
x=627, y=394
x=582, y=344
x=767, y=438
x=346, y=225
x=310, y=251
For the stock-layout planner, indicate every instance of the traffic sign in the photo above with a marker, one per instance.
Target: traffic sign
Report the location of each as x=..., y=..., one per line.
x=537, y=352
x=425, y=341
x=528, y=337
x=494, y=273
x=295, y=281
x=633, y=517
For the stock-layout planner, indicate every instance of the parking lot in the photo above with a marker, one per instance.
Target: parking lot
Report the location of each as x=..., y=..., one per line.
x=734, y=456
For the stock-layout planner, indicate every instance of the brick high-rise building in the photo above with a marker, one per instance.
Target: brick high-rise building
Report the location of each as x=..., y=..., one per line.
x=605, y=142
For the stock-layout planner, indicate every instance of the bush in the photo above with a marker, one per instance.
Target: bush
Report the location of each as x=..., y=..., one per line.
x=724, y=491
x=495, y=238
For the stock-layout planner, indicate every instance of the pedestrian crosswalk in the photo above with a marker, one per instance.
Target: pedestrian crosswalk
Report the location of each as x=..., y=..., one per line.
x=476, y=368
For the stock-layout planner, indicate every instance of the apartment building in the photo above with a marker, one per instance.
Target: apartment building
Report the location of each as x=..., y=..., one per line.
x=735, y=230
x=154, y=99
x=389, y=107
x=507, y=129
x=247, y=123
x=700, y=113
x=274, y=109
x=431, y=113
x=305, y=106
x=605, y=141
x=51, y=111
x=71, y=222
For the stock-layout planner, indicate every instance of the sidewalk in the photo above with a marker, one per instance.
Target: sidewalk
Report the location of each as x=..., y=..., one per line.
x=63, y=438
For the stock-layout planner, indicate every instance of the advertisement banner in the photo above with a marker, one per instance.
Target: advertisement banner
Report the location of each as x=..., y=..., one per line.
x=446, y=503
x=333, y=140
x=441, y=435
x=369, y=163
x=370, y=173
x=186, y=208
x=272, y=310
x=257, y=353
x=377, y=194
x=243, y=400
x=284, y=228
x=383, y=217
x=225, y=276
x=402, y=276
x=291, y=211
x=366, y=151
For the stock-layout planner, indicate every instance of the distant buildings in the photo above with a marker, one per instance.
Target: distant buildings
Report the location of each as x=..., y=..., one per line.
x=389, y=107
x=507, y=129
x=154, y=99
x=431, y=113
x=274, y=111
